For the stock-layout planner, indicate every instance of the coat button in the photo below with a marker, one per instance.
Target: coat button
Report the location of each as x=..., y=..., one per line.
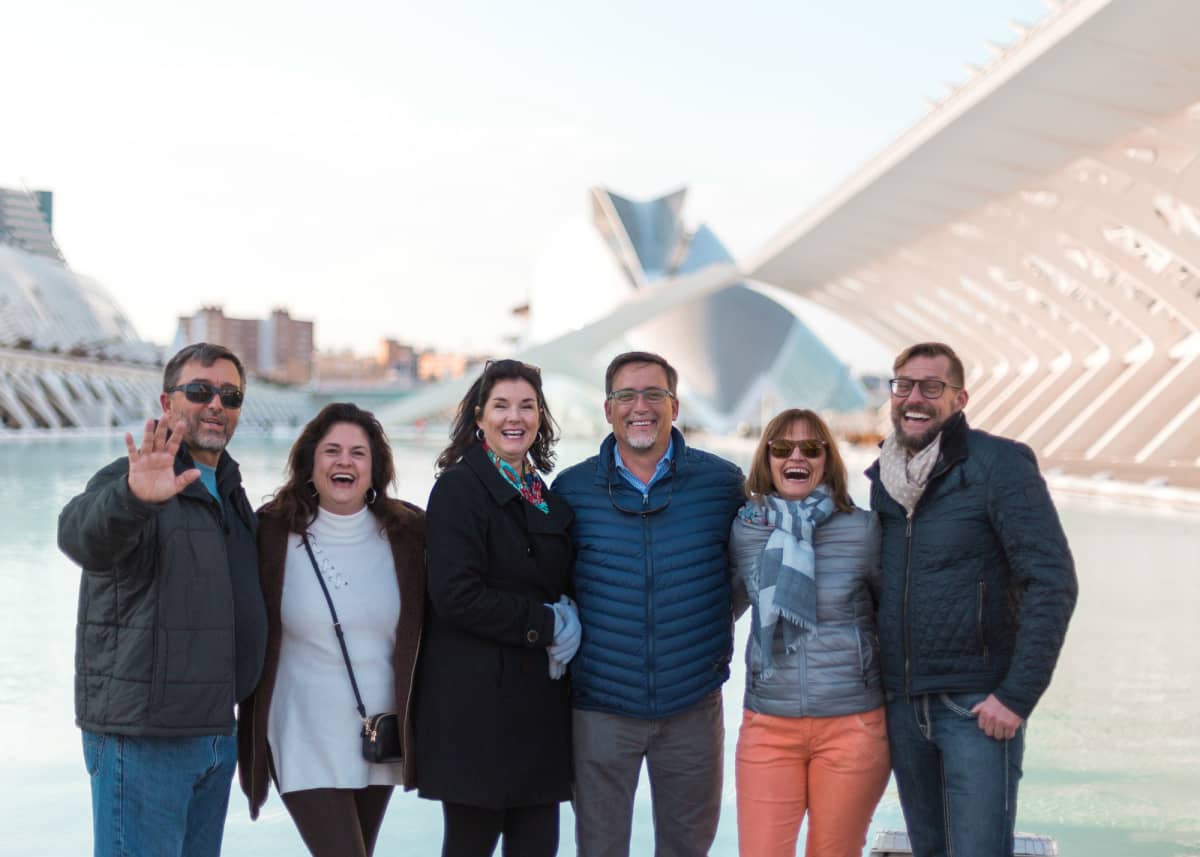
x=529, y=550
x=531, y=636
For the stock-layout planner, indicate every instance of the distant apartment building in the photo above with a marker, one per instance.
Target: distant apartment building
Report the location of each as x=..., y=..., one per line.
x=399, y=359
x=27, y=222
x=278, y=348
x=394, y=365
x=442, y=366
x=342, y=366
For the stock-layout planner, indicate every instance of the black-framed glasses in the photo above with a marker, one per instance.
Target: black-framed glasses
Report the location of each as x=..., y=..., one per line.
x=651, y=395
x=810, y=447
x=643, y=507
x=930, y=388
x=201, y=393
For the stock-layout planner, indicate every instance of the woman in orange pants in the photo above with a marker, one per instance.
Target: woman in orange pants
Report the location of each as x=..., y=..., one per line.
x=813, y=737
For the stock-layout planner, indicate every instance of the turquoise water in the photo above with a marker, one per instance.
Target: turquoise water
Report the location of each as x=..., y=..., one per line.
x=1113, y=759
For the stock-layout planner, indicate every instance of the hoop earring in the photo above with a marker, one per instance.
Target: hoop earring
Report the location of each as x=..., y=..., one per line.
x=312, y=490
x=371, y=496
x=479, y=434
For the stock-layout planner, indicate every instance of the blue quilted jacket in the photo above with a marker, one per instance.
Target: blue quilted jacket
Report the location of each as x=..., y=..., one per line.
x=979, y=585
x=652, y=582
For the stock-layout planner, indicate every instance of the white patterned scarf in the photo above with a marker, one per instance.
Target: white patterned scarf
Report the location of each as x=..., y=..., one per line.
x=782, y=573
x=903, y=476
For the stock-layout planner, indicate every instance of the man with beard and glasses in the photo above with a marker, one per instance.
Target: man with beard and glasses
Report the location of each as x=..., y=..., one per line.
x=978, y=588
x=171, y=627
x=652, y=581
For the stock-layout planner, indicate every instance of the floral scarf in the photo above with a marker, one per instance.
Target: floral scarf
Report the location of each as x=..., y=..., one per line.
x=531, y=487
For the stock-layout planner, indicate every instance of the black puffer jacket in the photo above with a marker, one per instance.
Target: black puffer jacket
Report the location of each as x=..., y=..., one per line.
x=979, y=586
x=163, y=590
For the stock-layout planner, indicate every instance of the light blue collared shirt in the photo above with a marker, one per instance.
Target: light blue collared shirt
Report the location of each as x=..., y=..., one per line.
x=643, y=488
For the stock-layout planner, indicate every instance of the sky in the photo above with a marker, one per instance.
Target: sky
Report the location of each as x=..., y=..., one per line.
x=402, y=170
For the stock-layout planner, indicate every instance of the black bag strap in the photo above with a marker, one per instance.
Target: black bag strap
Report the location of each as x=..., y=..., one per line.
x=337, y=626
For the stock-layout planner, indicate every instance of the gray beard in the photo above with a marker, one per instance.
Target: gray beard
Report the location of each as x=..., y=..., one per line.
x=208, y=441
x=643, y=442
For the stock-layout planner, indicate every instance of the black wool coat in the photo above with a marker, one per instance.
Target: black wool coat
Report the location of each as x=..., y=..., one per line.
x=492, y=728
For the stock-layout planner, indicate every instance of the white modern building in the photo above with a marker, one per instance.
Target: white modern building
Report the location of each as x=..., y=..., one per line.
x=741, y=355
x=69, y=357
x=1044, y=219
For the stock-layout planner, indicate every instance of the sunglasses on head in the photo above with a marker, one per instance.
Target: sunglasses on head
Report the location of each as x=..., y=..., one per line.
x=201, y=393
x=507, y=366
x=810, y=447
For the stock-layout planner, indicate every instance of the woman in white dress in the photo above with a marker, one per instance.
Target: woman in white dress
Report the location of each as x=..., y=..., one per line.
x=301, y=727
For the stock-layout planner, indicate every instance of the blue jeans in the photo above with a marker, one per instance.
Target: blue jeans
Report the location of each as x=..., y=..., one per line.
x=958, y=787
x=159, y=797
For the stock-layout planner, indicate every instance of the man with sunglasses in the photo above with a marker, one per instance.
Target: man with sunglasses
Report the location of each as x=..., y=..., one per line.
x=978, y=586
x=172, y=626
x=652, y=519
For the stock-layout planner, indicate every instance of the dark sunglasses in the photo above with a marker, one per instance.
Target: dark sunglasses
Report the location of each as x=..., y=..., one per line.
x=201, y=393
x=810, y=447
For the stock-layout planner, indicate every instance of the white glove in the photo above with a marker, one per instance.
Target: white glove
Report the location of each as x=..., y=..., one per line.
x=557, y=667
x=567, y=635
x=566, y=640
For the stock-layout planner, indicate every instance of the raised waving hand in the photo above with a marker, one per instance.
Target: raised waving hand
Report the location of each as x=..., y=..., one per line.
x=152, y=476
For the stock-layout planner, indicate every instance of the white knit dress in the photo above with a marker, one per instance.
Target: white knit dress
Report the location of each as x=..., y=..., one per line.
x=313, y=727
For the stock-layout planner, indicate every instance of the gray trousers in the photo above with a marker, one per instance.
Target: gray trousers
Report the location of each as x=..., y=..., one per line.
x=685, y=757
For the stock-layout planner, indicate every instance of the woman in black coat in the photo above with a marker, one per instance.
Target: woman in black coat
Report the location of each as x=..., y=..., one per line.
x=492, y=711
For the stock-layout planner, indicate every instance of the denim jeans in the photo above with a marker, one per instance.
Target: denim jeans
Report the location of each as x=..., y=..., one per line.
x=958, y=787
x=159, y=797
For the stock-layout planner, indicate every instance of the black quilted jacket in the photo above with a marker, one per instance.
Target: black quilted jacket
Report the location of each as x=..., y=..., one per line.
x=978, y=587
x=171, y=626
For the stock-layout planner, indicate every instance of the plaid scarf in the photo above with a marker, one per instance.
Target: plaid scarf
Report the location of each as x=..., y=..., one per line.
x=531, y=487
x=772, y=537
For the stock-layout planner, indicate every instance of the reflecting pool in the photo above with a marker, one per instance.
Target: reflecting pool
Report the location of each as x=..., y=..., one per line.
x=1113, y=758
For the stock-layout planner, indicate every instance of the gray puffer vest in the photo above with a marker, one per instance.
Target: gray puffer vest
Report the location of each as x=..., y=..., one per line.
x=835, y=671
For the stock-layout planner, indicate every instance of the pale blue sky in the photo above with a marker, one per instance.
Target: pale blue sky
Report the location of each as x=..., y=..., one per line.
x=398, y=169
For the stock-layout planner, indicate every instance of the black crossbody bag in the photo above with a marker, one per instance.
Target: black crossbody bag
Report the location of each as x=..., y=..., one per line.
x=380, y=732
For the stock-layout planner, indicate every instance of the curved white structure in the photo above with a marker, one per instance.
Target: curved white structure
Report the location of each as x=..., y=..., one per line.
x=1045, y=221
x=69, y=357
x=678, y=293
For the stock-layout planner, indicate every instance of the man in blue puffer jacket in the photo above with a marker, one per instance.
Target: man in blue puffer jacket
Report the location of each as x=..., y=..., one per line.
x=978, y=585
x=652, y=520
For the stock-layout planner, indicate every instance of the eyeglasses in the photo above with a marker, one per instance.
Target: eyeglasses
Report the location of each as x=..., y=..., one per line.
x=509, y=366
x=651, y=395
x=930, y=388
x=201, y=393
x=810, y=447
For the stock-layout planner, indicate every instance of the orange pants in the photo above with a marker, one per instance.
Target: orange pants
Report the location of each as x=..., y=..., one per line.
x=833, y=768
